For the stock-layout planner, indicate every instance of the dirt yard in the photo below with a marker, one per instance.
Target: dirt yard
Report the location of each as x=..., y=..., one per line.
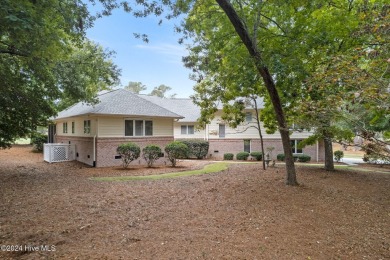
x=54, y=211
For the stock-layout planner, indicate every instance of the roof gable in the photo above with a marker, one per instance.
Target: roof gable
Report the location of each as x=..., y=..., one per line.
x=118, y=102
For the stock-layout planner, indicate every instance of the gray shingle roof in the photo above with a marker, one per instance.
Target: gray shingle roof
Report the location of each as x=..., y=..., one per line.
x=182, y=106
x=124, y=102
x=119, y=102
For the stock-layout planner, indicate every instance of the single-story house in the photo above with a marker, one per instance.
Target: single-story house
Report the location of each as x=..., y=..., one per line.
x=122, y=116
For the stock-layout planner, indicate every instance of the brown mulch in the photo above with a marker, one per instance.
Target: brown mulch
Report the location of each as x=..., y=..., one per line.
x=241, y=213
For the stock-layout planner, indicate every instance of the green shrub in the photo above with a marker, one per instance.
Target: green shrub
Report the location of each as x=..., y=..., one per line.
x=128, y=152
x=242, y=156
x=257, y=155
x=297, y=157
x=176, y=150
x=338, y=155
x=38, y=140
x=228, y=156
x=280, y=157
x=197, y=148
x=151, y=153
x=302, y=157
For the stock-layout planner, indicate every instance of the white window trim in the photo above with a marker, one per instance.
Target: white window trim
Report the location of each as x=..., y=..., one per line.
x=295, y=146
x=219, y=132
x=246, y=117
x=250, y=145
x=186, y=127
x=65, y=127
x=87, y=127
x=144, y=127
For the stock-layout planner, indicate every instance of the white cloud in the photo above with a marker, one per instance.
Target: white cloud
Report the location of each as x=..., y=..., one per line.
x=172, y=52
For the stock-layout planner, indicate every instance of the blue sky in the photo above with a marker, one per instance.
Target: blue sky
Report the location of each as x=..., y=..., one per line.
x=154, y=63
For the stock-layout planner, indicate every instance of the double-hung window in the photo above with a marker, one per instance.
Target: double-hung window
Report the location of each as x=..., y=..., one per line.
x=73, y=126
x=87, y=126
x=65, y=127
x=221, y=129
x=247, y=146
x=294, y=145
x=187, y=129
x=248, y=117
x=138, y=127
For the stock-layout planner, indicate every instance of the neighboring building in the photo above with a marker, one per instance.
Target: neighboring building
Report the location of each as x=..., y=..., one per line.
x=224, y=139
x=122, y=116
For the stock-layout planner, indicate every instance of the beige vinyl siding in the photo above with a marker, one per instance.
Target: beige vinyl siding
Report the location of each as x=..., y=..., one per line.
x=79, y=126
x=244, y=131
x=115, y=126
x=162, y=127
x=198, y=134
x=111, y=126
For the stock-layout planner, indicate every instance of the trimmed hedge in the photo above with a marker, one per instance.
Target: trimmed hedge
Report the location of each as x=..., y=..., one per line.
x=338, y=155
x=302, y=157
x=257, y=155
x=151, y=153
x=197, y=148
x=297, y=157
x=242, y=156
x=280, y=157
x=228, y=156
x=128, y=152
x=176, y=150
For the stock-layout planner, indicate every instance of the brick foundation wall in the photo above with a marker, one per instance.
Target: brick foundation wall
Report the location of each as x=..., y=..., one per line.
x=106, y=150
x=218, y=147
x=83, y=145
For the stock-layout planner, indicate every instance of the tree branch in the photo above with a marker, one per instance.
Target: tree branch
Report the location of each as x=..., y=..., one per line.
x=13, y=53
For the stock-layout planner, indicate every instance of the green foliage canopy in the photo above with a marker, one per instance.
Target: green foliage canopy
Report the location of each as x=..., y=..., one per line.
x=44, y=57
x=135, y=87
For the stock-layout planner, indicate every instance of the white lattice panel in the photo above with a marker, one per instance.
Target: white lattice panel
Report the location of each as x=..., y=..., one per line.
x=59, y=152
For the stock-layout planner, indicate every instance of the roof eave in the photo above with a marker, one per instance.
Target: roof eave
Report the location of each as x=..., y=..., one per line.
x=121, y=115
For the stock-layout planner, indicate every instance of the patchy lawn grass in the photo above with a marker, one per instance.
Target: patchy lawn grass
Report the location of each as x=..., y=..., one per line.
x=210, y=168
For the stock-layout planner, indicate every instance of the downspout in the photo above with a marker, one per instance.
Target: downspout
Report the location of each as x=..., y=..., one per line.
x=94, y=151
x=94, y=142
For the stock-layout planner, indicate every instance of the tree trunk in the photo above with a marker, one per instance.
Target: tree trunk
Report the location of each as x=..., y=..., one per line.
x=259, y=129
x=329, y=164
x=269, y=84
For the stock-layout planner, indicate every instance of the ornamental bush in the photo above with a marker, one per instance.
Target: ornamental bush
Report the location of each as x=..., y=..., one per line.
x=257, y=155
x=242, y=156
x=297, y=157
x=338, y=155
x=197, y=148
x=38, y=140
x=128, y=152
x=280, y=157
x=228, y=156
x=302, y=157
x=151, y=153
x=176, y=150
